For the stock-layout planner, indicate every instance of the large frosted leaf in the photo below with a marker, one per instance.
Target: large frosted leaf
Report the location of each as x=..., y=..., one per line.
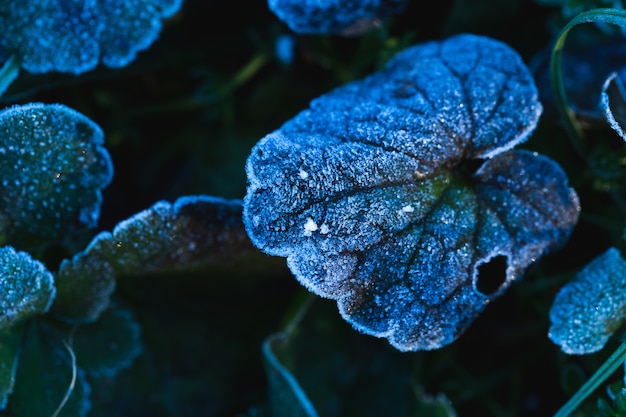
x=333, y=16
x=74, y=36
x=367, y=195
x=189, y=233
x=53, y=166
x=590, y=308
x=26, y=287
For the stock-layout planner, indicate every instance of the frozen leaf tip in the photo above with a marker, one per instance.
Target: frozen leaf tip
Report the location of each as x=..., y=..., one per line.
x=367, y=195
x=591, y=307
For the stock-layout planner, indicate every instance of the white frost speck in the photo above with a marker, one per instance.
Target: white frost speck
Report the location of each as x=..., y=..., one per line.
x=303, y=174
x=309, y=227
x=324, y=229
x=408, y=209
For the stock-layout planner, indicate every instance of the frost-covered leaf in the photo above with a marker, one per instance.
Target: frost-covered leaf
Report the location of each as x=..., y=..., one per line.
x=44, y=375
x=9, y=353
x=109, y=345
x=614, y=104
x=592, y=306
x=367, y=196
x=26, y=287
x=334, y=16
x=53, y=166
x=74, y=36
x=189, y=233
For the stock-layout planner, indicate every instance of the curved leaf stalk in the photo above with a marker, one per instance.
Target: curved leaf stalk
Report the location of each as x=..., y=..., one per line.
x=607, y=368
x=70, y=388
x=572, y=126
x=8, y=73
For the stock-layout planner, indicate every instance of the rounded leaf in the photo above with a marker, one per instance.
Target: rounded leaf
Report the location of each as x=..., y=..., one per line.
x=53, y=167
x=367, y=196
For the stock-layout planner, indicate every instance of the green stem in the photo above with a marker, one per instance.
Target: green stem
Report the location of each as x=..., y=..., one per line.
x=600, y=15
x=8, y=73
x=607, y=368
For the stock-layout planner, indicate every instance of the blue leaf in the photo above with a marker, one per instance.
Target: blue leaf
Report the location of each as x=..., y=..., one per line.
x=333, y=16
x=590, y=308
x=74, y=36
x=53, y=167
x=367, y=195
x=26, y=287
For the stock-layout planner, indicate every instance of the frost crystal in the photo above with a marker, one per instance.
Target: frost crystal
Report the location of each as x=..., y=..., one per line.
x=590, y=308
x=73, y=36
x=389, y=221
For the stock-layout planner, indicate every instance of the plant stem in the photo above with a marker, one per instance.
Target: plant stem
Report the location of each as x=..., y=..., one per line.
x=8, y=73
x=607, y=368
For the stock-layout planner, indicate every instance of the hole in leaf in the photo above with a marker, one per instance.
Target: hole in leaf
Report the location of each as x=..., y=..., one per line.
x=491, y=275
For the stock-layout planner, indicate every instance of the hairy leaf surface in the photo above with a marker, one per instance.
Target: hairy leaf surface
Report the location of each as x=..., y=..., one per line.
x=369, y=196
x=53, y=168
x=591, y=307
x=74, y=36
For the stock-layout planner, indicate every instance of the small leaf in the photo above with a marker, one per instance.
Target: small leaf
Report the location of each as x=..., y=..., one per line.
x=367, y=195
x=44, y=378
x=613, y=103
x=188, y=234
x=335, y=16
x=57, y=35
x=590, y=308
x=26, y=287
x=109, y=345
x=53, y=167
x=10, y=340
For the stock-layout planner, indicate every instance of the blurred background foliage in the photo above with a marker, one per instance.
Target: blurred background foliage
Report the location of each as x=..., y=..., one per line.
x=181, y=120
